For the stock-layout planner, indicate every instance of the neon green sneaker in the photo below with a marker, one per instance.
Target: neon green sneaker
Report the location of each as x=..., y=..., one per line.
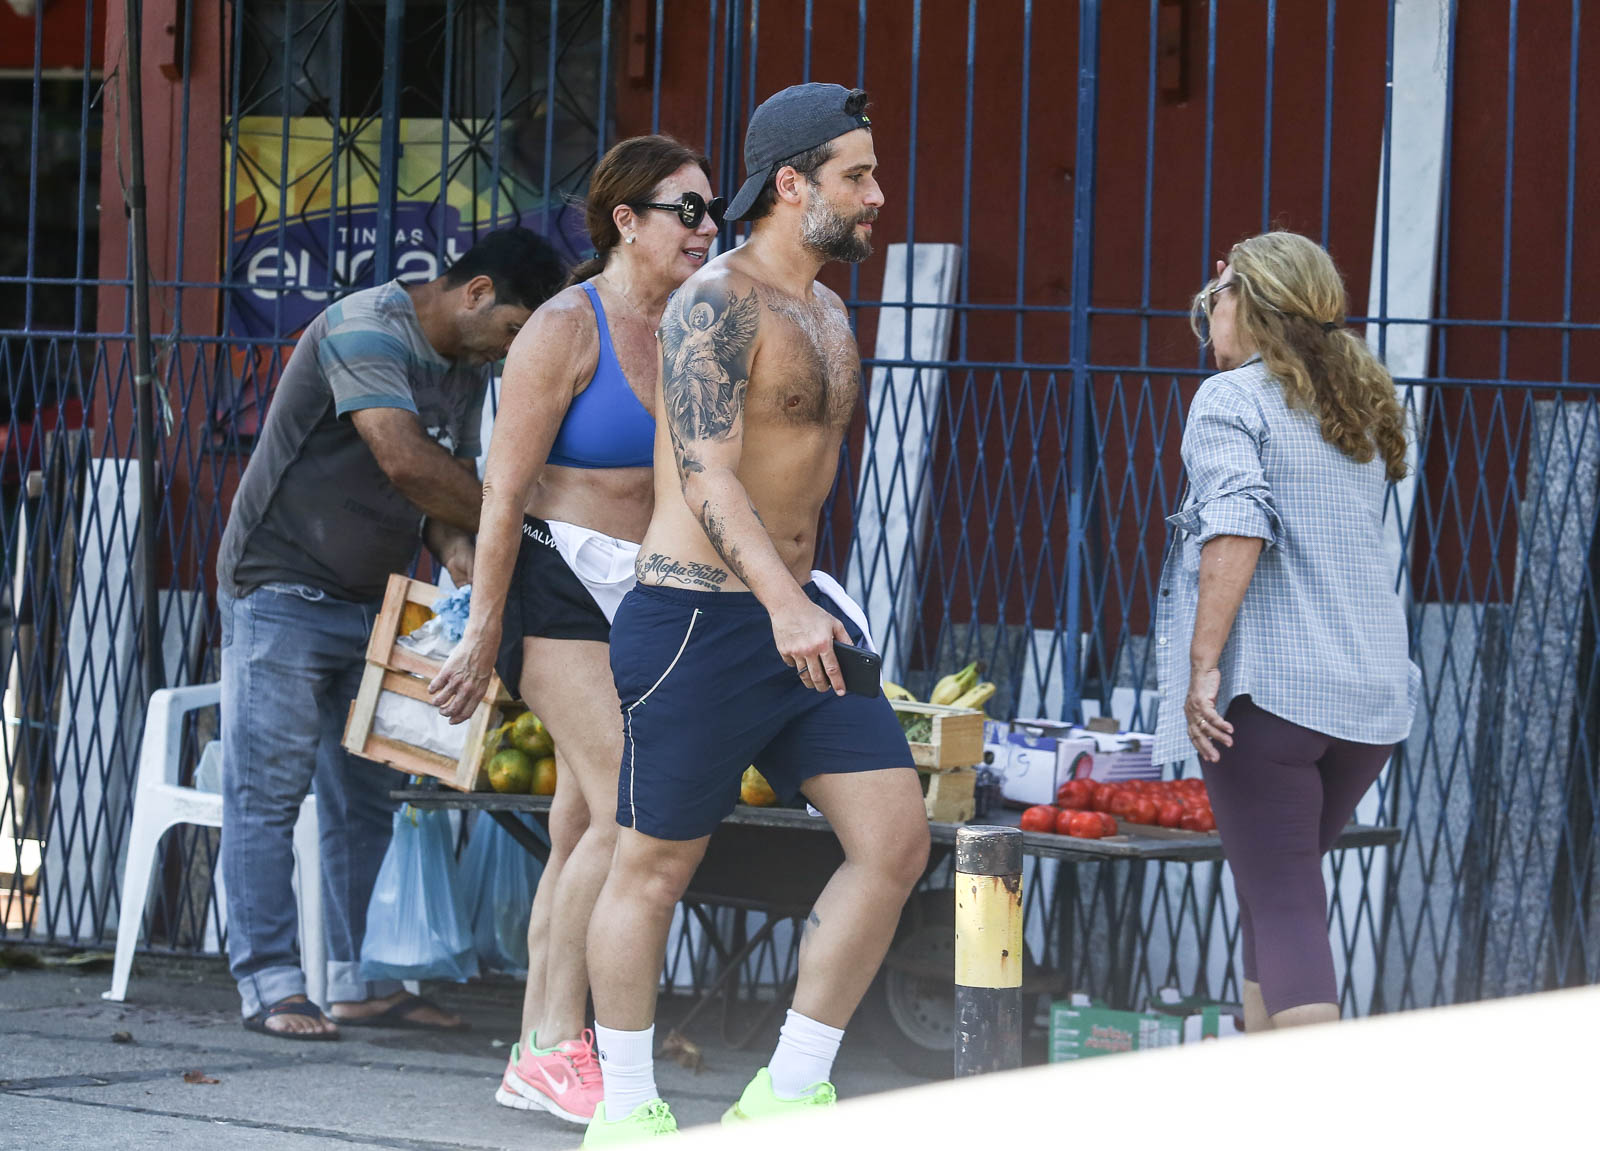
x=646, y=1120
x=759, y=1102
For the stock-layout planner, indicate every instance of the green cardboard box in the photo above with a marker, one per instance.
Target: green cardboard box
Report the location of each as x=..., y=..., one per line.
x=1201, y=1018
x=1080, y=1030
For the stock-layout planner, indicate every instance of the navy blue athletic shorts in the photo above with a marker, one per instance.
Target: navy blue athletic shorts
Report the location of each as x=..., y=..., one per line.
x=705, y=695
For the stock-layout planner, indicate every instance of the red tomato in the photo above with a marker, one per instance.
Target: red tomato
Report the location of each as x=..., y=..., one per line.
x=1191, y=820
x=1064, y=819
x=1122, y=805
x=1085, y=825
x=1169, y=812
x=1041, y=817
x=1205, y=821
x=1078, y=793
x=1104, y=793
x=1108, y=823
x=1143, y=811
x=1193, y=785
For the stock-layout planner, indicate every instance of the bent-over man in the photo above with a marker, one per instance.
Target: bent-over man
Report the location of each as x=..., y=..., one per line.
x=374, y=424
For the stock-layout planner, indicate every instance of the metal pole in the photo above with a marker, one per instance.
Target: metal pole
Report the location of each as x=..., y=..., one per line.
x=1081, y=443
x=144, y=357
x=394, y=18
x=988, y=950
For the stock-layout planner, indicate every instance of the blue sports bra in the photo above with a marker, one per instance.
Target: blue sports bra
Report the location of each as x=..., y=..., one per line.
x=606, y=426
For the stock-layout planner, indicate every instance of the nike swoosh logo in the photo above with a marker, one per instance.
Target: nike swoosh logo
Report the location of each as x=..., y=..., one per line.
x=560, y=1083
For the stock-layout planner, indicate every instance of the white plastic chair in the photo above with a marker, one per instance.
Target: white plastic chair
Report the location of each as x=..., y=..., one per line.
x=160, y=804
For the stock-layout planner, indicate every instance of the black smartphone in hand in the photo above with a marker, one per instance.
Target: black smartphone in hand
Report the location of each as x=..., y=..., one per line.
x=862, y=669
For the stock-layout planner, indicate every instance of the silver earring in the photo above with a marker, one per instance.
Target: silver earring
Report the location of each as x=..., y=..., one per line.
x=627, y=239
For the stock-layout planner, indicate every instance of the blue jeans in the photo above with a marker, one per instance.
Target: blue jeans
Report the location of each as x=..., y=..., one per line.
x=291, y=663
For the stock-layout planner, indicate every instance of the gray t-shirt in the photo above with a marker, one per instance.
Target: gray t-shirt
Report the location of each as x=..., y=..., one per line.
x=313, y=506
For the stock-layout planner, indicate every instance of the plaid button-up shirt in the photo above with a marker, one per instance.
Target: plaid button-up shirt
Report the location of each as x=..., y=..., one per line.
x=1320, y=638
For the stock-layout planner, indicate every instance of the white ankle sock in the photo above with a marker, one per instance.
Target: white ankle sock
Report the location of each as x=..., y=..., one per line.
x=804, y=1057
x=627, y=1067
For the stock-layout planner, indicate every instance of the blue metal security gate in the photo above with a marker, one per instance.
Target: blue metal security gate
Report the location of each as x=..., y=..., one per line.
x=1072, y=171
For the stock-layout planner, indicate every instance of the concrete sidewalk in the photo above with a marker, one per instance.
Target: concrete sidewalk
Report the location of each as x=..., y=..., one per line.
x=64, y=1081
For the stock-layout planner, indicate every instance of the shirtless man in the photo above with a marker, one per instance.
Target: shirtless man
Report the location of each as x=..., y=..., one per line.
x=723, y=653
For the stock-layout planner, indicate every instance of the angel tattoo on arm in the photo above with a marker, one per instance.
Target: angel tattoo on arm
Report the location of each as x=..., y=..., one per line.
x=706, y=352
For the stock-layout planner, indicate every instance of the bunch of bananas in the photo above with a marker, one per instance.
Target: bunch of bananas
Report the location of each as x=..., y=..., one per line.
x=958, y=689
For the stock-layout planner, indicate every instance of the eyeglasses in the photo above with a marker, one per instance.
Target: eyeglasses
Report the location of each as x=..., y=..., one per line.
x=691, y=208
x=1209, y=296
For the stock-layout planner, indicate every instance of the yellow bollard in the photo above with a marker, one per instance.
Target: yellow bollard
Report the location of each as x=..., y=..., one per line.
x=988, y=950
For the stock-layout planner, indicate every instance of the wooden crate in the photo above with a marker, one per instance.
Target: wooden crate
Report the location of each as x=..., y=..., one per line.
x=957, y=739
x=391, y=668
x=952, y=795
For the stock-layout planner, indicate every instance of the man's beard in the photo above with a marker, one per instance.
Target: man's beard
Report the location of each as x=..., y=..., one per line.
x=832, y=236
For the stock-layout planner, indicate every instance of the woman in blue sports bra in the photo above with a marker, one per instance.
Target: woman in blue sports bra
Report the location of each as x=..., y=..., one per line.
x=567, y=495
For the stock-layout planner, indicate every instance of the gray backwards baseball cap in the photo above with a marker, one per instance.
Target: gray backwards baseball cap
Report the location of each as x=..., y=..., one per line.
x=790, y=122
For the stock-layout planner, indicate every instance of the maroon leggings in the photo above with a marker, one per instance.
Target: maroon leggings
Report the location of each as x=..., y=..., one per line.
x=1282, y=794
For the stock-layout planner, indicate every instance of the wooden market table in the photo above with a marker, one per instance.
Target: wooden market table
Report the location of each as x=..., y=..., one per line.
x=1147, y=843
x=770, y=862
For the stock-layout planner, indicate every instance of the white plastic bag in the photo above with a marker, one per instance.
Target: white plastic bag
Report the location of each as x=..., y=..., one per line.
x=499, y=877
x=417, y=926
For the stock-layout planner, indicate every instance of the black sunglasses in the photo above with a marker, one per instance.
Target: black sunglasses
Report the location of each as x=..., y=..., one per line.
x=691, y=209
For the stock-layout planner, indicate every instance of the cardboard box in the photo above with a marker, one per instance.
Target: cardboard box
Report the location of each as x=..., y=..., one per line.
x=1039, y=760
x=1079, y=1030
x=1040, y=755
x=1202, y=1018
x=1123, y=755
x=1213, y=1022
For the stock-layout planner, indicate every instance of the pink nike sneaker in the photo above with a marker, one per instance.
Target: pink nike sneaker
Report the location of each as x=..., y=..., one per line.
x=565, y=1082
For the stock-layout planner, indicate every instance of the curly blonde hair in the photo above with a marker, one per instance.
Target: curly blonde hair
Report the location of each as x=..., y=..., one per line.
x=1291, y=305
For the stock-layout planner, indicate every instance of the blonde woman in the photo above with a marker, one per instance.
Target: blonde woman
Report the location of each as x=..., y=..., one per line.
x=1282, y=643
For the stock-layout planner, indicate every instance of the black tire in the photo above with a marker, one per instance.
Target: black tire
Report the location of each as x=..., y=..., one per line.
x=911, y=1017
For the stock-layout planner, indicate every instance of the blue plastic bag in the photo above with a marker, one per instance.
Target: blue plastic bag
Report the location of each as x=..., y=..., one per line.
x=417, y=926
x=499, y=878
x=452, y=610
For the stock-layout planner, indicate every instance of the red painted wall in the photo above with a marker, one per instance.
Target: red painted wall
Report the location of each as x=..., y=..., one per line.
x=58, y=27
x=983, y=487
x=195, y=490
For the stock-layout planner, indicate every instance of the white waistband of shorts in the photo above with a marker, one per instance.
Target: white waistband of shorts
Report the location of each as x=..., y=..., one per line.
x=602, y=563
x=580, y=534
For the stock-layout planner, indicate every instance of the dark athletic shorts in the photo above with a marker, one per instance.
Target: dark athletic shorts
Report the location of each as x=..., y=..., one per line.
x=705, y=695
x=546, y=599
